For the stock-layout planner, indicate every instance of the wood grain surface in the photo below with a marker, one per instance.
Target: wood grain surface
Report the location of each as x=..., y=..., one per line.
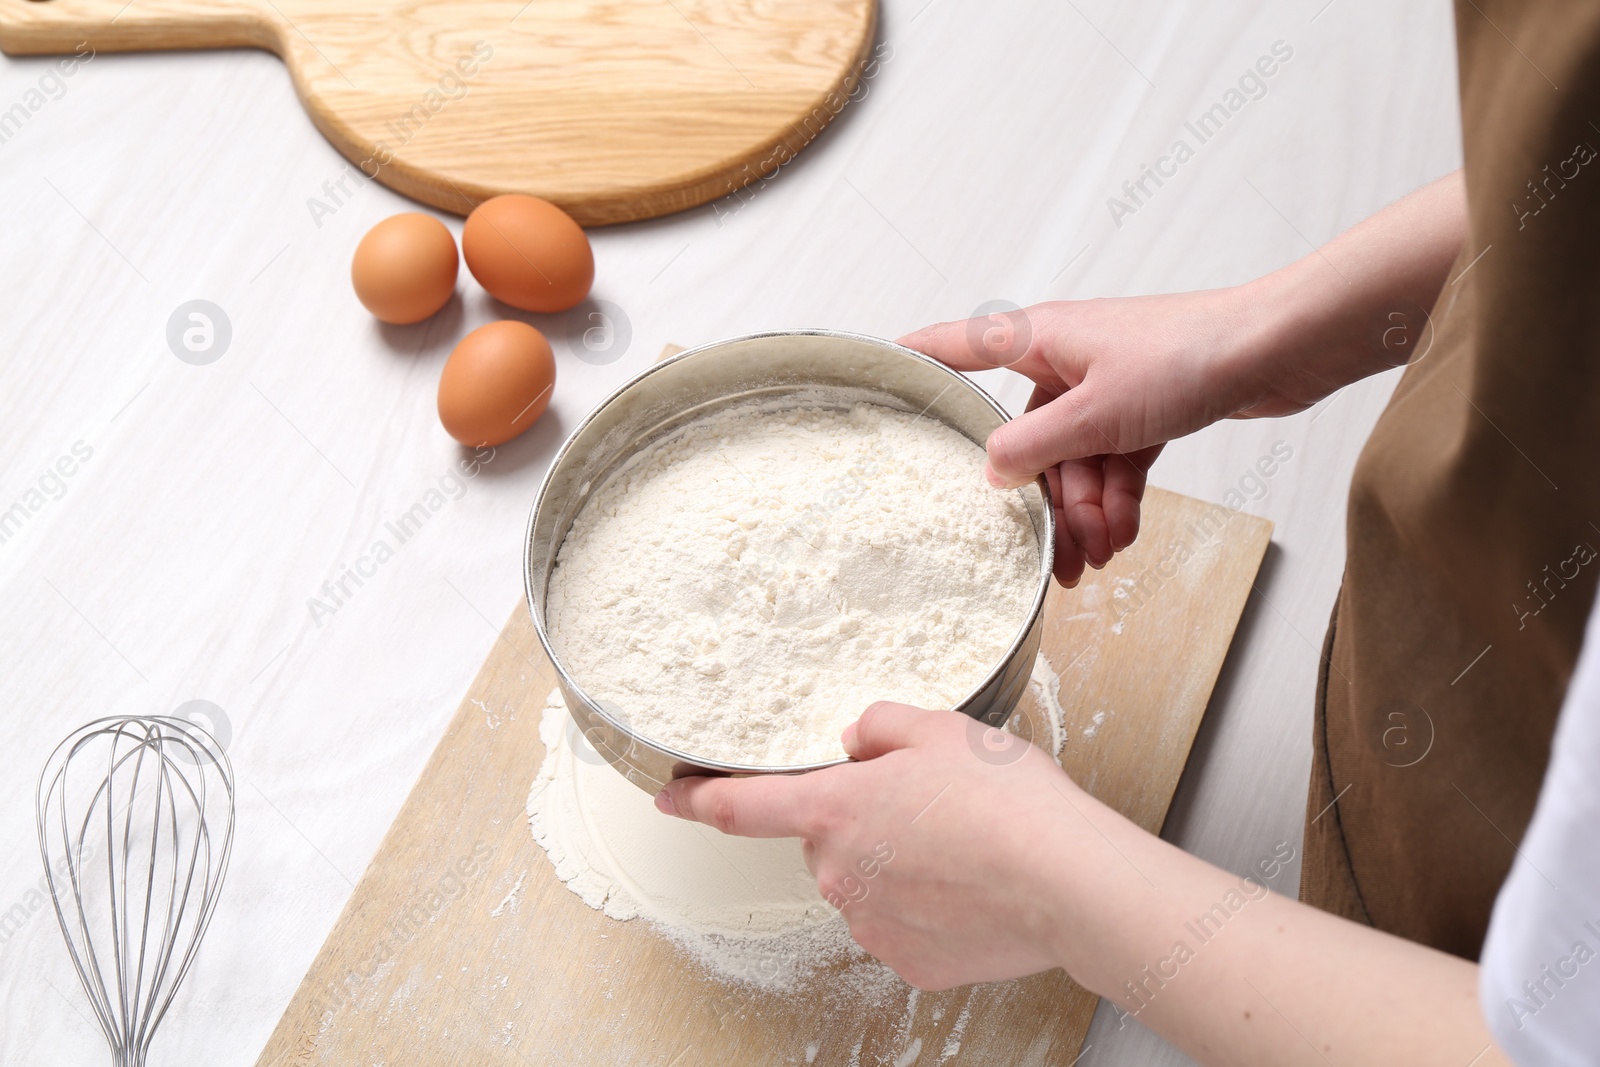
x=460, y=947
x=615, y=111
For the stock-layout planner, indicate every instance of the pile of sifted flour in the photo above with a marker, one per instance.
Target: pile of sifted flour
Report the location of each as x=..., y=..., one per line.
x=743, y=589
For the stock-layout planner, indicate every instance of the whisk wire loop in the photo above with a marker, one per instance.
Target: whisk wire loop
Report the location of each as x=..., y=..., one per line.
x=159, y=808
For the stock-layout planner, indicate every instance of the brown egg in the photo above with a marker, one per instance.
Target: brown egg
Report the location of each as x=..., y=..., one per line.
x=405, y=268
x=528, y=253
x=496, y=383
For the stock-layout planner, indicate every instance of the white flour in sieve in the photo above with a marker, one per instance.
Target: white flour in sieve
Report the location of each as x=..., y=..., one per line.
x=746, y=908
x=743, y=589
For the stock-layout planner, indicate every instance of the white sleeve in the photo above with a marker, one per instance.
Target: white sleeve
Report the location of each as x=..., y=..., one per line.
x=1540, y=976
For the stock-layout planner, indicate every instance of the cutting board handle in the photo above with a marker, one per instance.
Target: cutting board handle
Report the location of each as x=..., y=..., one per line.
x=34, y=27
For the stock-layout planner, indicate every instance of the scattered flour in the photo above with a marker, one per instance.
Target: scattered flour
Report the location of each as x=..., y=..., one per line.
x=1045, y=685
x=952, y=1043
x=903, y=1032
x=510, y=899
x=742, y=590
x=491, y=718
x=1126, y=606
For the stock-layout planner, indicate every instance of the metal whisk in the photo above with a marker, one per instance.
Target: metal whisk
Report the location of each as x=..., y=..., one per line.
x=135, y=827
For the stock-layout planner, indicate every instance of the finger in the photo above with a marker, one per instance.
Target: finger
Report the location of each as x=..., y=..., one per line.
x=1036, y=399
x=1052, y=478
x=1082, y=490
x=983, y=344
x=775, y=805
x=1068, y=563
x=885, y=727
x=1123, y=493
x=1069, y=557
x=1066, y=428
x=808, y=853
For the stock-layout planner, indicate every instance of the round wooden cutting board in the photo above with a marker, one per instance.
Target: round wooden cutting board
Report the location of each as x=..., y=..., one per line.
x=614, y=110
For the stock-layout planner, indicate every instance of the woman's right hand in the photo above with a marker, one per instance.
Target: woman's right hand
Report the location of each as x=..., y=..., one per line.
x=1114, y=380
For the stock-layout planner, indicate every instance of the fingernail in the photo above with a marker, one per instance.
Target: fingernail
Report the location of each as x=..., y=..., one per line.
x=848, y=737
x=998, y=482
x=664, y=803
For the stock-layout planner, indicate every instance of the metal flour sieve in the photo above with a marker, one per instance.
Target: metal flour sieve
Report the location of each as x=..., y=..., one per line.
x=846, y=368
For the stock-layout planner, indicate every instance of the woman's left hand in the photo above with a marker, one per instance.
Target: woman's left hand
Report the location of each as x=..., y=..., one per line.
x=934, y=847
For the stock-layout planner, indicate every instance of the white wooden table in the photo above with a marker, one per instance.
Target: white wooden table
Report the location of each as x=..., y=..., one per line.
x=177, y=560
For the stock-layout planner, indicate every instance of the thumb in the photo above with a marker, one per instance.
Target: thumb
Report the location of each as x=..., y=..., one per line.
x=774, y=805
x=884, y=727
x=1074, y=425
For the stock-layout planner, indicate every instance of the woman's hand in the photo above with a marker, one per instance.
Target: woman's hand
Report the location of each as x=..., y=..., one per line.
x=931, y=847
x=958, y=853
x=1116, y=379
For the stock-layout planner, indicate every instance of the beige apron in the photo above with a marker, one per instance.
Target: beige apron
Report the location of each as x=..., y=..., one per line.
x=1474, y=518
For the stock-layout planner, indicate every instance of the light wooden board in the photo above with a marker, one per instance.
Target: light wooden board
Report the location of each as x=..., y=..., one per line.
x=615, y=111
x=460, y=947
